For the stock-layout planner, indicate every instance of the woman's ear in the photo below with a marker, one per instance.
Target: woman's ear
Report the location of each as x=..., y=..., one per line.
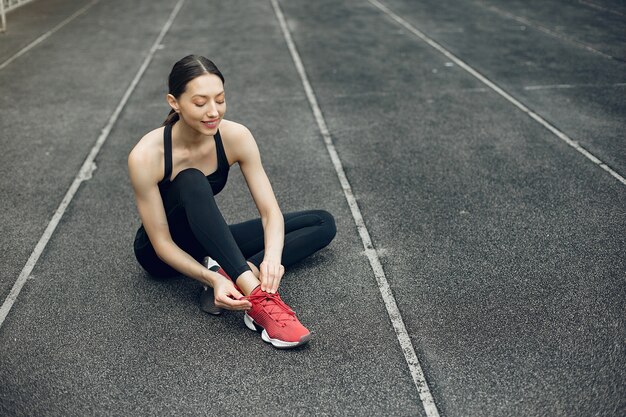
x=171, y=100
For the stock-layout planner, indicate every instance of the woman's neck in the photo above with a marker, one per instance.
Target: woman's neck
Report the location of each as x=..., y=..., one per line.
x=186, y=136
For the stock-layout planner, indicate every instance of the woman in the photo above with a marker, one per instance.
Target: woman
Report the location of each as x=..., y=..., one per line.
x=175, y=172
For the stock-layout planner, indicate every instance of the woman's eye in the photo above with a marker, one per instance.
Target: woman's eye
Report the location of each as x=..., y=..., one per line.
x=221, y=102
x=199, y=105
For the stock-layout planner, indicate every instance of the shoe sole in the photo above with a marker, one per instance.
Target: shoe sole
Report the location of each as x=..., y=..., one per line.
x=214, y=311
x=277, y=343
x=207, y=304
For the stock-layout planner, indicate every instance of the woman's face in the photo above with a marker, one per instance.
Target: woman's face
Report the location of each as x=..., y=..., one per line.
x=203, y=104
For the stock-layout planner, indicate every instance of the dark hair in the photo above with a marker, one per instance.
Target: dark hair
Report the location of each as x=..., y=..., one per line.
x=183, y=71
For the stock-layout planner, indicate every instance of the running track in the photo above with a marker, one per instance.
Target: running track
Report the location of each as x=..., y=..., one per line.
x=472, y=152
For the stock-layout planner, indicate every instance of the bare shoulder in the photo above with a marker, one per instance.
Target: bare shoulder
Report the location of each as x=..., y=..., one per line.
x=145, y=160
x=237, y=139
x=234, y=132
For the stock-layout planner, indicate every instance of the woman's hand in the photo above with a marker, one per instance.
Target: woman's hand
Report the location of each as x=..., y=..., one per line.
x=227, y=296
x=270, y=274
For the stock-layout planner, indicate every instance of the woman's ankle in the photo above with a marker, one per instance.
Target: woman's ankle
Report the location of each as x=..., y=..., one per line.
x=247, y=282
x=254, y=269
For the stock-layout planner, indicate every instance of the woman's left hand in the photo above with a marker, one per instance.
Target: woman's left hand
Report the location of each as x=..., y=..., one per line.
x=271, y=272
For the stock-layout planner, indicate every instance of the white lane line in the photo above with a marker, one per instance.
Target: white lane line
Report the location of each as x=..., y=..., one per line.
x=47, y=34
x=84, y=174
x=568, y=86
x=597, y=6
x=498, y=90
x=545, y=30
x=390, y=303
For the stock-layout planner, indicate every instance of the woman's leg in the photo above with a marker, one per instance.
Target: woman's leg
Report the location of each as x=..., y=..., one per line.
x=306, y=232
x=197, y=226
x=148, y=259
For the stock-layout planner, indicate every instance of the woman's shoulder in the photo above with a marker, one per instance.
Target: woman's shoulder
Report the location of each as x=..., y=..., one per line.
x=150, y=144
x=233, y=131
x=237, y=140
x=148, y=152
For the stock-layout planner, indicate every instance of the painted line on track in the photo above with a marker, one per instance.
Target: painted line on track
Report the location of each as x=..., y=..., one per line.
x=545, y=29
x=85, y=172
x=47, y=34
x=558, y=133
x=569, y=86
x=390, y=302
x=598, y=7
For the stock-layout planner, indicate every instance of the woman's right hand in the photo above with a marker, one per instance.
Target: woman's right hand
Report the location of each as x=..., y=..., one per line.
x=227, y=296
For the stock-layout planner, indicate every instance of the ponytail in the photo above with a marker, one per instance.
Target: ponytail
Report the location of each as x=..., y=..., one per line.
x=171, y=118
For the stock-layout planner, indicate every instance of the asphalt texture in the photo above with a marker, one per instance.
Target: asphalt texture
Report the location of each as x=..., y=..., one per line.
x=504, y=247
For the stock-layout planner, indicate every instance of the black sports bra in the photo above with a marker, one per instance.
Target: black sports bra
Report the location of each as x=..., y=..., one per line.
x=217, y=179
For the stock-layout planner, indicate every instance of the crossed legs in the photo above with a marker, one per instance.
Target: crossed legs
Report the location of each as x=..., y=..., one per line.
x=198, y=227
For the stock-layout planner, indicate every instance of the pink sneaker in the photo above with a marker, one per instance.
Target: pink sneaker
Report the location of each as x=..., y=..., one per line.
x=278, y=322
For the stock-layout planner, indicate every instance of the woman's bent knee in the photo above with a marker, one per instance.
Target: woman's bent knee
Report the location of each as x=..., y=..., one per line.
x=189, y=176
x=190, y=183
x=327, y=223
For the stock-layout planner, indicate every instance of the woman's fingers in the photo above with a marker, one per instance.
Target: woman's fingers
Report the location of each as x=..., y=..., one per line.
x=267, y=276
x=264, y=276
x=270, y=276
x=279, y=275
x=233, y=304
x=273, y=280
x=275, y=277
x=232, y=299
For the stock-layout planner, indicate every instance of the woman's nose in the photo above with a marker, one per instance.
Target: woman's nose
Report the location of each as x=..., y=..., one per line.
x=212, y=110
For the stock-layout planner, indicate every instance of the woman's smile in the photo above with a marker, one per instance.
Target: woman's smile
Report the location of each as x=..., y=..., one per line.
x=211, y=124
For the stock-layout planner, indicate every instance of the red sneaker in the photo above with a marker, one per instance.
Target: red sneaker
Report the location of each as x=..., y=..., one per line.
x=215, y=267
x=207, y=297
x=278, y=322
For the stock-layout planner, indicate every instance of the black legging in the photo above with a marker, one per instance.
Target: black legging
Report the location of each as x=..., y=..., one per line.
x=198, y=227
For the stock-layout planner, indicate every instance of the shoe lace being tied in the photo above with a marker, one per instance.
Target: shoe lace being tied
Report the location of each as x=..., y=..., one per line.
x=274, y=306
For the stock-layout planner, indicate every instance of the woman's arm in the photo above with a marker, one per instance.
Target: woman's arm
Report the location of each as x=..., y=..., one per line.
x=246, y=152
x=144, y=167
